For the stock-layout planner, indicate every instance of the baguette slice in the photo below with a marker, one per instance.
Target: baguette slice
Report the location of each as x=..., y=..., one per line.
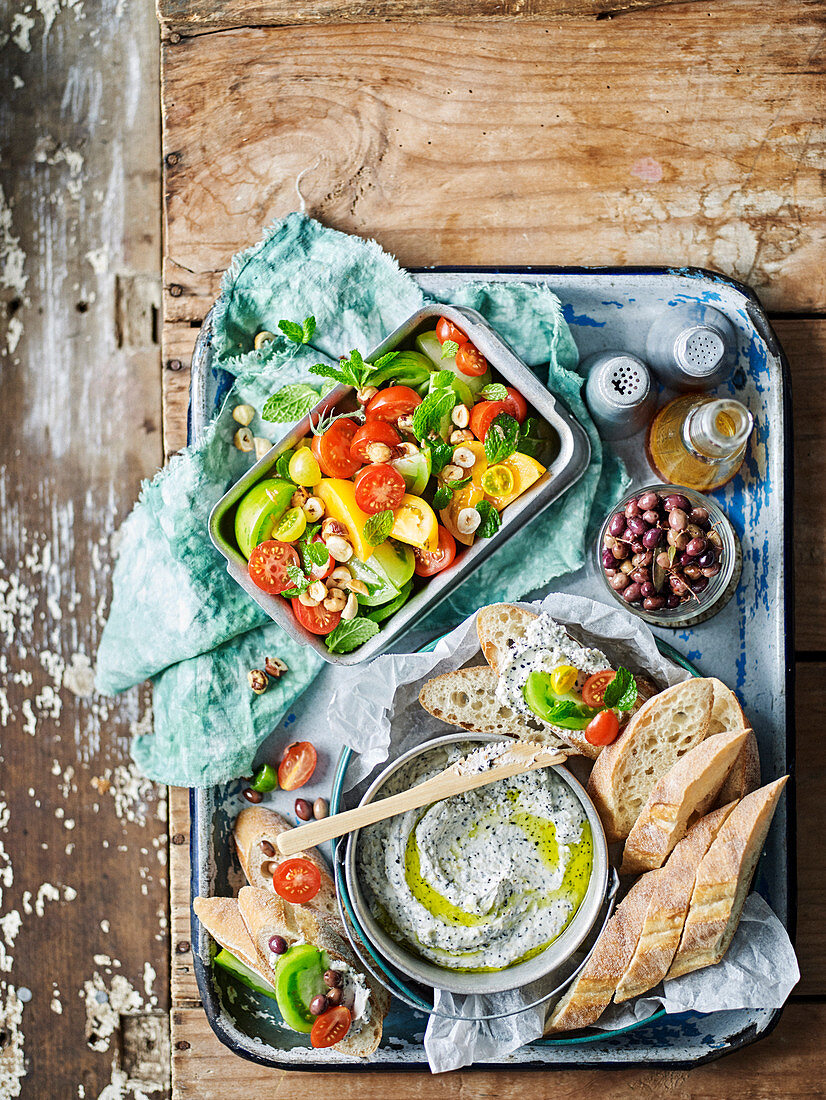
x=256, y=825
x=689, y=787
x=663, y=729
x=465, y=698
x=723, y=880
x=667, y=908
x=500, y=627
x=222, y=919
x=266, y=915
x=727, y=714
x=588, y=996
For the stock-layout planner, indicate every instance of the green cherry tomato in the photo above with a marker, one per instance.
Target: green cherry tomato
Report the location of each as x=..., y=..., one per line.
x=304, y=468
x=265, y=779
x=291, y=527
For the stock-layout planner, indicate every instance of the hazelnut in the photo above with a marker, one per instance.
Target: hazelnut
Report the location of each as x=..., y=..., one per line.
x=258, y=680
x=275, y=667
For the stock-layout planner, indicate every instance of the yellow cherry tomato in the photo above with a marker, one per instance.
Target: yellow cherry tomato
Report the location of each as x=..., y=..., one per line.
x=303, y=468
x=291, y=526
x=415, y=523
x=497, y=481
x=563, y=679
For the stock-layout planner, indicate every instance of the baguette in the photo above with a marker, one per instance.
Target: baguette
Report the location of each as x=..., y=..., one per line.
x=723, y=879
x=222, y=919
x=665, y=728
x=587, y=997
x=255, y=826
x=667, y=908
x=689, y=787
x=727, y=714
x=266, y=915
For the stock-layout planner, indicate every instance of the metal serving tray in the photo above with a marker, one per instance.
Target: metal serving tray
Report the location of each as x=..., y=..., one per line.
x=567, y=466
x=749, y=645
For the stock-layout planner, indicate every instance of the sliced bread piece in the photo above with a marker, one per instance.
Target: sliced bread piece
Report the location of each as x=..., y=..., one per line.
x=255, y=831
x=590, y=993
x=500, y=627
x=723, y=880
x=466, y=698
x=727, y=714
x=265, y=915
x=667, y=908
x=687, y=788
x=222, y=919
x=663, y=729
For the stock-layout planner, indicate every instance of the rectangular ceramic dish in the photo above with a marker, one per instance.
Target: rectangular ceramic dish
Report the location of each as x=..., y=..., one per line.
x=567, y=467
x=749, y=645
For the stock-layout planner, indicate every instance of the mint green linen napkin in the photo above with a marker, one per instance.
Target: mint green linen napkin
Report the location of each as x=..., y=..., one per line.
x=176, y=615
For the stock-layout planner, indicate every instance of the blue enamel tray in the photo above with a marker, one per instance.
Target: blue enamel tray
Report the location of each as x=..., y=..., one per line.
x=749, y=645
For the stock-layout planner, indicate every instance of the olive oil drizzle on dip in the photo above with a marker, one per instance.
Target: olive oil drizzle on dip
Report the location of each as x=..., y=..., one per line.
x=483, y=880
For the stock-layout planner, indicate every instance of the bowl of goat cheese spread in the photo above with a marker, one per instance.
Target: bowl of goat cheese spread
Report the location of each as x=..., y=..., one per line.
x=484, y=891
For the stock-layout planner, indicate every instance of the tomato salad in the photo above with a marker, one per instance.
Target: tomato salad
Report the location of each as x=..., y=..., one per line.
x=391, y=490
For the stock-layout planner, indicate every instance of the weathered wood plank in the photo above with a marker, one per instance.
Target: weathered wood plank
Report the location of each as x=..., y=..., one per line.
x=82, y=837
x=571, y=142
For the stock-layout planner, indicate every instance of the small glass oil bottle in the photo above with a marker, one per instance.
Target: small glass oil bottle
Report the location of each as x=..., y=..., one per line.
x=699, y=441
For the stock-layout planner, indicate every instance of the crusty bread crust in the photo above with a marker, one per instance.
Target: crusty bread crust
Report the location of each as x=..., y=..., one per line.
x=727, y=714
x=497, y=626
x=689, y=787
x=665, y=728
x=222, y=919
x=723, y=879
x=667, y=908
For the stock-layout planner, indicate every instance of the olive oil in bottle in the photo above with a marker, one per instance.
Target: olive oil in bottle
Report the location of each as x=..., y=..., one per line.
x=699, y=441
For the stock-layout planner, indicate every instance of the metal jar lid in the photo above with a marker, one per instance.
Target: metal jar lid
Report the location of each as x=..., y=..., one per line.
x=619, y=393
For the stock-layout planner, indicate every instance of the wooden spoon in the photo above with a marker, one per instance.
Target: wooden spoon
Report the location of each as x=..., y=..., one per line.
x=518, y=757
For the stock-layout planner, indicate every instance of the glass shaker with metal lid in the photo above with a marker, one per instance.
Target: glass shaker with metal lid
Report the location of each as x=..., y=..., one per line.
x=691, y=346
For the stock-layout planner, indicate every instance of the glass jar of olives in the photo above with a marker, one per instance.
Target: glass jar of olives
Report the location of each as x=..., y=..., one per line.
x=670, y=555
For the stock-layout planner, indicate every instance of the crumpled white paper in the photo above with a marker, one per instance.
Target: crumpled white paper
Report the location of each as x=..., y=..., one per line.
x=375, y=710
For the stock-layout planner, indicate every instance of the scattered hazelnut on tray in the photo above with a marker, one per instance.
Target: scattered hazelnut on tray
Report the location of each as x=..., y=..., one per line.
x=258, y=680
x=275, y=667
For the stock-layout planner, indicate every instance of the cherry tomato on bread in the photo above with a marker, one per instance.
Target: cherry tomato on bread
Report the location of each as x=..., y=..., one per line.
x=603, y=729
x=379, y=487
x=593, y=690
x=393, y=402
x=429, y=563
x=296, y=880
x=332, y=449
x=373, y=431
x=470, y=361
x=268, y=566
x=331, y=1027
x=318, y=620
x=446, y=330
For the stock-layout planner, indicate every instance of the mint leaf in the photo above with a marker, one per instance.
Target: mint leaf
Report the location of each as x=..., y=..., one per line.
x=449, y=349
x=440, y=454
x=460, y=484
x=428, y=416
x=441, y=498
x=327, y=371
x=501, y=438
x=301, y=582
x=308, y=329
x=290, y=403
x=312, y=552
x=378, y=527
x=621, y=693
x=567, y=715
x=441, y=379
x=495, y=392
x=292, y=331
x=531, y=441
x=384, y=360
x=350, y=634
x=490, y=520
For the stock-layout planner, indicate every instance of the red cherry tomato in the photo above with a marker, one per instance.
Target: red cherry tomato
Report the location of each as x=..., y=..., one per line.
x=446, y=330
x=603, y=729
x=268, y=566
x=296, y=880
x=373, y=431
x=321, y=572
x=297, y=765
x=593, y=690
x=517, y=405
x=332, y=449
x=315, y=619
x=331, y=1027
x=483, y=414
x=429, y=563
x=470, y=361
x=378, y=488
x=392, y=403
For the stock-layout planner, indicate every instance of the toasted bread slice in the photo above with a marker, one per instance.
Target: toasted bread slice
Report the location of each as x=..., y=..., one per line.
x=663, y=729
x=688, y=788
x=256, y=826
x=723, y=880
x=744, y=775
x=667, y=908
x=590, y=993
x=222, y=919
x=500, y=627
x=465, y=698
x=266, y=915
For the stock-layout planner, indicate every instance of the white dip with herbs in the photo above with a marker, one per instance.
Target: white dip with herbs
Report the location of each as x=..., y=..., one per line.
x=481, y=880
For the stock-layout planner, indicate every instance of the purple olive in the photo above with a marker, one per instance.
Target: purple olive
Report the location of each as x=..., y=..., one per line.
x=692, y=571
x=617, y=524
x=647, y=589
x=332, y=978
x=632, y=593
x=677, y=584
x=627, y=535
x=663, y=561
x=636, y=525
x=653, y=603
x=696, y=547
x=637, y=547
x=711, y=570
x=677, y=500
x=619, y=581
x=672, y=601
x=699, y=584
x=706, y=559
x=303, y=809
x=699, y=516
x=641, y=575
x=608, y=560
x=677, y=519
x=319, y=1004
x=651, y=518
x=334, y=997
x=652, y=537
x=620, y=550
x=631, y=509
x=277, y=944
x=648, y=501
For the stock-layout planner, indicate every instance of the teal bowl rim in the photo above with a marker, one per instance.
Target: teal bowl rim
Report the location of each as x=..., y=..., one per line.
x=342, y=765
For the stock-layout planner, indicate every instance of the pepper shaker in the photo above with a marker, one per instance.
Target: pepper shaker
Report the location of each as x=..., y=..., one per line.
x=619, y=393
x=691, y=346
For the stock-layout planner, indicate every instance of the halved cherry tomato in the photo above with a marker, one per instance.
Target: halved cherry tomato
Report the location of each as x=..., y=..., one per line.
x=315, y=619
x=373, y=431
x=484, y=414
x=470, y=361
x=268, y=566
x=297, y=765
x=321, y=572
x=593, y=690
x=331, y=1027
x=428, y=564
x=517, y=405
x=296, y=880
x=392, y=403
x=446, y=330
x=332, y=449
x=603, y=729
x=379, y=487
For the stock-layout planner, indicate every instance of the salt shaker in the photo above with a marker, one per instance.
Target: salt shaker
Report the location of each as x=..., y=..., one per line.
x=691, y=346
x=619, y=393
